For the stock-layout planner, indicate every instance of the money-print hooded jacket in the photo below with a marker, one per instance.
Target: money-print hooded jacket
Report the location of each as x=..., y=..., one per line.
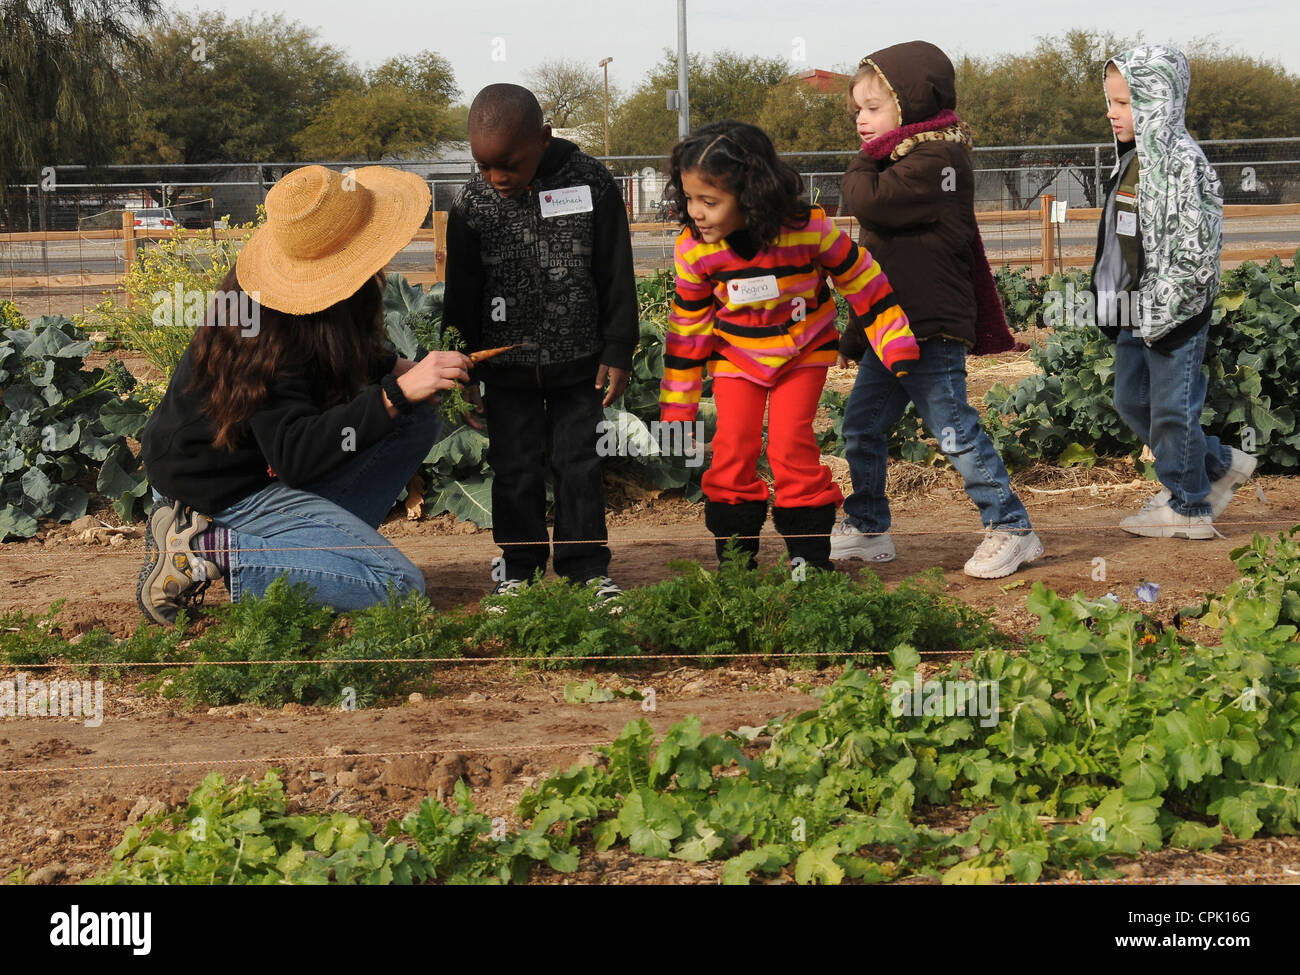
x=1180, y=197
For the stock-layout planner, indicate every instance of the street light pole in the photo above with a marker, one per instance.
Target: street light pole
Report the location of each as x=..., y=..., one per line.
x=605, y=64
x=683, y=78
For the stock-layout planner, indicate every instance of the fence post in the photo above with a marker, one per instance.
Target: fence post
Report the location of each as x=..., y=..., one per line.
x=128, y=246
x=440, y=245
x=128, y=238
x=1096, y=177
x=1049, y=242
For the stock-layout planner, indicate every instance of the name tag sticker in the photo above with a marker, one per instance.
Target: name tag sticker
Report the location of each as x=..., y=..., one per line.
x=747, y=291
x=570, y=199
x=1126, y=223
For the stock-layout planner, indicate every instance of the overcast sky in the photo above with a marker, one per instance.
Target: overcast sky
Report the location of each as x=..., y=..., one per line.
x=499, y=40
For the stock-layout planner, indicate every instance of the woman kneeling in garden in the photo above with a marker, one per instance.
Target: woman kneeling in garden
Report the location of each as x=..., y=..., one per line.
x=295, y=432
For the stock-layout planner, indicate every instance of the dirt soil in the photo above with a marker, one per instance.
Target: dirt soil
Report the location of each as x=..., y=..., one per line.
x=68, y=791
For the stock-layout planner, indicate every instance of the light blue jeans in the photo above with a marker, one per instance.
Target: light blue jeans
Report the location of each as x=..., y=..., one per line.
x=326, y=535
x=1160, y=396
x=937, y=385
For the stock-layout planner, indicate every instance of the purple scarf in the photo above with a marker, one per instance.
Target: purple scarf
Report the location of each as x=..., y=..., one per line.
x=991, y=332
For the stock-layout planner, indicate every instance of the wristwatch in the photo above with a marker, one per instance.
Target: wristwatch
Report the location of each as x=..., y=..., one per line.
x=390, y=386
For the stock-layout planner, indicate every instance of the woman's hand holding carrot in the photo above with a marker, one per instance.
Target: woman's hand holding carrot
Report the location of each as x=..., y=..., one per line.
x=435, y=372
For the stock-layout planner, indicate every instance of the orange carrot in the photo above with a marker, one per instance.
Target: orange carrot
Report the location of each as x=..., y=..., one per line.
x=477, y=357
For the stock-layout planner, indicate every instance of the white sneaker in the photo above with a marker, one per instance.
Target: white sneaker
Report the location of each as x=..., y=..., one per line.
x=1222, y=490
x=1165, y=522
x=849, y=543
x=506, y=587
x=607, y=594
x=1158, y=500
x=1002, y=553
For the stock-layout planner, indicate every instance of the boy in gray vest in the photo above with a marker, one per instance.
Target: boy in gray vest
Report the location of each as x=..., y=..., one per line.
x=539, y=257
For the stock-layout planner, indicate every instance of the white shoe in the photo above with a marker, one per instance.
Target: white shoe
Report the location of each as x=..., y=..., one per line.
x=1158, y=500
x=506, y=587
x=849, y=543
x=1165, y=522
x=1002, y=553
x=1222, y=490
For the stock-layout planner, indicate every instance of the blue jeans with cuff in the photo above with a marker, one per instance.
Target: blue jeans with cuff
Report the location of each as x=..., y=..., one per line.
x=326, y=534
x=1160, y=396
x=937, y=385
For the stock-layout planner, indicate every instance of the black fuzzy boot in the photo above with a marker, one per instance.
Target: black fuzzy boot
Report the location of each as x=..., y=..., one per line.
x=744, y=520
x=807, y=533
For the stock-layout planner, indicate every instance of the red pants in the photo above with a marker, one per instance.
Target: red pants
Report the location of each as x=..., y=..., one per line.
x=801, y=479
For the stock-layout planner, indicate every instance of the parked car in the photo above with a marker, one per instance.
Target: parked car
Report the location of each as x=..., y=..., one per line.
x=155, y=218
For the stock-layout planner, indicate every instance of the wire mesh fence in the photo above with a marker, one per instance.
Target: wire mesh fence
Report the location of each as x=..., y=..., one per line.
x=63, y=232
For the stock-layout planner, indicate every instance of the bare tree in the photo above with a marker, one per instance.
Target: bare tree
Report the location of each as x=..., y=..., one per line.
x=571, y=92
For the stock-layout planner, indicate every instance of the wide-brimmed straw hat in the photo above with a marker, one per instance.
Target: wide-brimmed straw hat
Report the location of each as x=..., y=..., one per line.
x=327, y=233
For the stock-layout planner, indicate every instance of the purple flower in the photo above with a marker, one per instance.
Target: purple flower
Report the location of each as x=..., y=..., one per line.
x=1148, y=592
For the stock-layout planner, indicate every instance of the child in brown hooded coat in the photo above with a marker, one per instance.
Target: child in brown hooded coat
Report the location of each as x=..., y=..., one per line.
x=912, y=189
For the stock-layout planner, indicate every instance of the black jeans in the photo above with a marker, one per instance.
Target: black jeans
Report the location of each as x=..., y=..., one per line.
x=527, y=427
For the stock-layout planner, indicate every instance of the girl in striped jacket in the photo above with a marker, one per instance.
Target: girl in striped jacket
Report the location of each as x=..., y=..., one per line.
x=752, y=306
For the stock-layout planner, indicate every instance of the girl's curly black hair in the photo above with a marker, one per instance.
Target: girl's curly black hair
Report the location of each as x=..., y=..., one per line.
x=740, y=158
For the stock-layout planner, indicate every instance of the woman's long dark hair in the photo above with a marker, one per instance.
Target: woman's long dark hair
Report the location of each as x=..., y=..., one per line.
x=236, y=361
x=740, y=158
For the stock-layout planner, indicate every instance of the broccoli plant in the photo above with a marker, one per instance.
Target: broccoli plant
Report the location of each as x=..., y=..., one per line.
x=59, y=424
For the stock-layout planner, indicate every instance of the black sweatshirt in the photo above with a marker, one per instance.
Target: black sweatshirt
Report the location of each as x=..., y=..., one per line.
x=563, y=284
x=292, y=432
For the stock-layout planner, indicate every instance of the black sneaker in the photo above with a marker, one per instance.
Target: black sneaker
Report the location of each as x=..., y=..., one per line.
x=173, y=576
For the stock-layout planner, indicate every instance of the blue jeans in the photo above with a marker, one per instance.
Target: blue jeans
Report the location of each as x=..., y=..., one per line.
x=1160, y=396
x=326, y=534
x=937, y=385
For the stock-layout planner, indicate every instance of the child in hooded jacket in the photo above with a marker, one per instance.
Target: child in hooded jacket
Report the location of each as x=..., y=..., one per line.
x=912, y=190
x=1154, y=281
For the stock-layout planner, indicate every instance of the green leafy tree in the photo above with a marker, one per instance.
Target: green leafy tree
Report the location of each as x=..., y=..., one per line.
x=374, y=123
x=799, y=117
x=727, y=85
x=60, y=65
x=1051, y=96
x=403, y=107
x=1054, y=96
x=209, y=89
x=427, y=73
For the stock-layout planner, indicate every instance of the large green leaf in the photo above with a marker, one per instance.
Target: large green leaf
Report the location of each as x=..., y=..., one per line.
x=458, y=448
x=23, y=399
x=15, y=523
x=122, y=479
x=69, y=502
x=650, y=823
x=39, y=491
x=12, y=459
x=125, y=418
x=51, y=341
x=469, y=499
x=401, y=335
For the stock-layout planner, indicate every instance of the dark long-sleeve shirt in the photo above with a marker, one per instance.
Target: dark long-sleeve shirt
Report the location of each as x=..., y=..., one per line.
x=292, y=432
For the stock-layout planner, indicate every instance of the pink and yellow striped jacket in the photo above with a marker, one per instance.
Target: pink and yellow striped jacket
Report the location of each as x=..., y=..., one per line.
x=756, y=318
